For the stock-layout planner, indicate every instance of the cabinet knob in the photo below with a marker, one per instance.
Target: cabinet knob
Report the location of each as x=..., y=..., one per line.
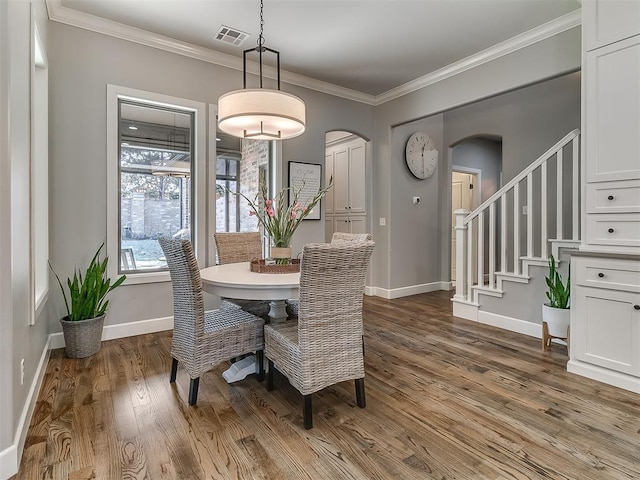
x=601, y=275
x=610, y=230
x=610, y=197
x=637, y=307
x=346, y=208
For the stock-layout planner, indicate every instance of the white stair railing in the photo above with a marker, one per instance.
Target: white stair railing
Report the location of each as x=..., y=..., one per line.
x=477, y=268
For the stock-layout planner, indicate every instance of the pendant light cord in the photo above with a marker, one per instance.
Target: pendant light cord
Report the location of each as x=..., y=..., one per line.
x=261, y=38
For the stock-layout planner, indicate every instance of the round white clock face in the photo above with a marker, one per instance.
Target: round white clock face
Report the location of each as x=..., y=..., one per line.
x=421, y=156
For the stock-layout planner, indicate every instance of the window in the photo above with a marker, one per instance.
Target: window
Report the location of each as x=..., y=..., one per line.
x=241, y=164
x=154, y=186
x=227, y=204
x=155, y=182
x=39, y=217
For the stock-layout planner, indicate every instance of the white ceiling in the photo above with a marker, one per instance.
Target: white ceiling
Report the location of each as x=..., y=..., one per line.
x=370, y=46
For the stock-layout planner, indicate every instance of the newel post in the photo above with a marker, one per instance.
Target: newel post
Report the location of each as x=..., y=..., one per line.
x=461, y=254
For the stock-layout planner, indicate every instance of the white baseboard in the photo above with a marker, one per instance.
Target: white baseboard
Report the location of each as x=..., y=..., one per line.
x=8, y=462
x=411, y=290
x=10, y=457
x=466, y=310
x=122, y=330
x=604, y=375
x=509, y=323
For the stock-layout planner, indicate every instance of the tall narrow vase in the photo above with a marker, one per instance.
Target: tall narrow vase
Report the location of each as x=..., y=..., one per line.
x=282, y=255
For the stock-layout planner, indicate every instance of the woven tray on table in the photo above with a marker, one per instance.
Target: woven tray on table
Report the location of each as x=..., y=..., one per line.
x=259, y=266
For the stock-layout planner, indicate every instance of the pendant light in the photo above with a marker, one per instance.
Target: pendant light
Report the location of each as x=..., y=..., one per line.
x=261, y=113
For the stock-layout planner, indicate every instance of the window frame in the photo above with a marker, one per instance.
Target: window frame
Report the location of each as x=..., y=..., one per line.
x=39, y=172
x=198, y=179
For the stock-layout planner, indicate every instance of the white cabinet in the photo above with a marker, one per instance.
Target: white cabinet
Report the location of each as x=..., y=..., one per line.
x=605, y=320
x=350, y=224
x=605, y=296
x=345, y=203
x=346, y=163
x=344, y=224
x=612, y=115
x=608, y=21
x=611, y=126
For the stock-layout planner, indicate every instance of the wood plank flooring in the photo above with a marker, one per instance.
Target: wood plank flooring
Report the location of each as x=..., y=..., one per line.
x=446, y=399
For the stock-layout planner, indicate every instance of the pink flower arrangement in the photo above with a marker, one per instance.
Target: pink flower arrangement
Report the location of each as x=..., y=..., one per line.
x=279, y=220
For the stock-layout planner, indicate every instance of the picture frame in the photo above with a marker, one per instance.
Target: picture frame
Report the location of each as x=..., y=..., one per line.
x=307, y=176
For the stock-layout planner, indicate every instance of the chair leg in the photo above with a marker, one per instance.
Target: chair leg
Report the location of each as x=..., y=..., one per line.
x=174, y=371
x=307, y=412
x=193, y=390
x=360, y=398
x=270, y=375
x=260, y=365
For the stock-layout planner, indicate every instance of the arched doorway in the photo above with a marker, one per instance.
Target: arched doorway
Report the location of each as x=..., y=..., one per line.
x=476, y=174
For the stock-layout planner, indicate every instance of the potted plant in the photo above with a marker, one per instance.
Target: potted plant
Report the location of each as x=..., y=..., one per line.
x=277, y=219
x=556, y=313
x=86, y=307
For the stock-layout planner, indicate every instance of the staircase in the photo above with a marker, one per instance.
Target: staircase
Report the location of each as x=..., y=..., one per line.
x=508, y=239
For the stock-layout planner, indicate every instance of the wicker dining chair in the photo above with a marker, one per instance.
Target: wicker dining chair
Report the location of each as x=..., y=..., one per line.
x=350, y=237
x=324, y=346
x=235, y=247
x=201, y=340
x=292, y=305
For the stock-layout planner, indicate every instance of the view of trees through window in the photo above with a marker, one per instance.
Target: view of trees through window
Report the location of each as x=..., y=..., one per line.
x=155, y=182
x=240, y=167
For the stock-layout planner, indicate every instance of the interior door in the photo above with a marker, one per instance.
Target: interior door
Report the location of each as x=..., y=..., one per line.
x=461, y=186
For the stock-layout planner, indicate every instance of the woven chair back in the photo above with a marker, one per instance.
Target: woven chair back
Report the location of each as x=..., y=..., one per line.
x=188, y=304
x=350, y=237
x=332, y=280
x=238, y=247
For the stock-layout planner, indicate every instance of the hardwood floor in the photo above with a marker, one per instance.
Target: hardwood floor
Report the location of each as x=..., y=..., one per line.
x=446, y=398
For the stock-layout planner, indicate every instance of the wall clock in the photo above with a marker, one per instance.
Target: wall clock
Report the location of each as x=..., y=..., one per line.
x=421, y=156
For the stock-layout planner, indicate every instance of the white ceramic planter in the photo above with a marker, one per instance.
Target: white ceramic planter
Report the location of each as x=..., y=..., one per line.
x=558, y=320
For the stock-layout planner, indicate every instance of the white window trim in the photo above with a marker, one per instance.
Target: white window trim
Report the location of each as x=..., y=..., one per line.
x=38, y=166
x=199, y=231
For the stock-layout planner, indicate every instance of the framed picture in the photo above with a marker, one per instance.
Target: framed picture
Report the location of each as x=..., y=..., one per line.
x=305, y=177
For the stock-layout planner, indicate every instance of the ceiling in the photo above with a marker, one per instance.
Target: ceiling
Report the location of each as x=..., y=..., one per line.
x=369, y=46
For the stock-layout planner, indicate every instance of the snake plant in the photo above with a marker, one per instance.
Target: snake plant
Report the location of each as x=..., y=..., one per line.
x=87, y=292
x=558, y=293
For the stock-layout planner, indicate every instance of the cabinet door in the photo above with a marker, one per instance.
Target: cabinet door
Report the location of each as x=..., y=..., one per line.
x=328, y=228
x=341, y=180
x=608, y=21
x=605, y=329
x=342, y=225
x=329, y=174
x=612, y=117
x=357, y=179
x=358, y=224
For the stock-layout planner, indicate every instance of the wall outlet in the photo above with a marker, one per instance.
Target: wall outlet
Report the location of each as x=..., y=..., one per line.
x=383, y=221
x=416, y=200
x=525, y=210
x=22, y=372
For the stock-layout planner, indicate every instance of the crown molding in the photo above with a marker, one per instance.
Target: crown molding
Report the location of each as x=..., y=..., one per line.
x=530, y=37
x=59, y=13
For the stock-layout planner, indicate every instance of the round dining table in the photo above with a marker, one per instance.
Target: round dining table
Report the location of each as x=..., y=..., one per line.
x=236, y=280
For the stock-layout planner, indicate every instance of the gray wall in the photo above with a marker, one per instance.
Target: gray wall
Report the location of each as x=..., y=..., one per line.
x=529, y=121
x=547, y=59
x=484, y=155
x=85, y=62
x=414, y=228
x=18, y=340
